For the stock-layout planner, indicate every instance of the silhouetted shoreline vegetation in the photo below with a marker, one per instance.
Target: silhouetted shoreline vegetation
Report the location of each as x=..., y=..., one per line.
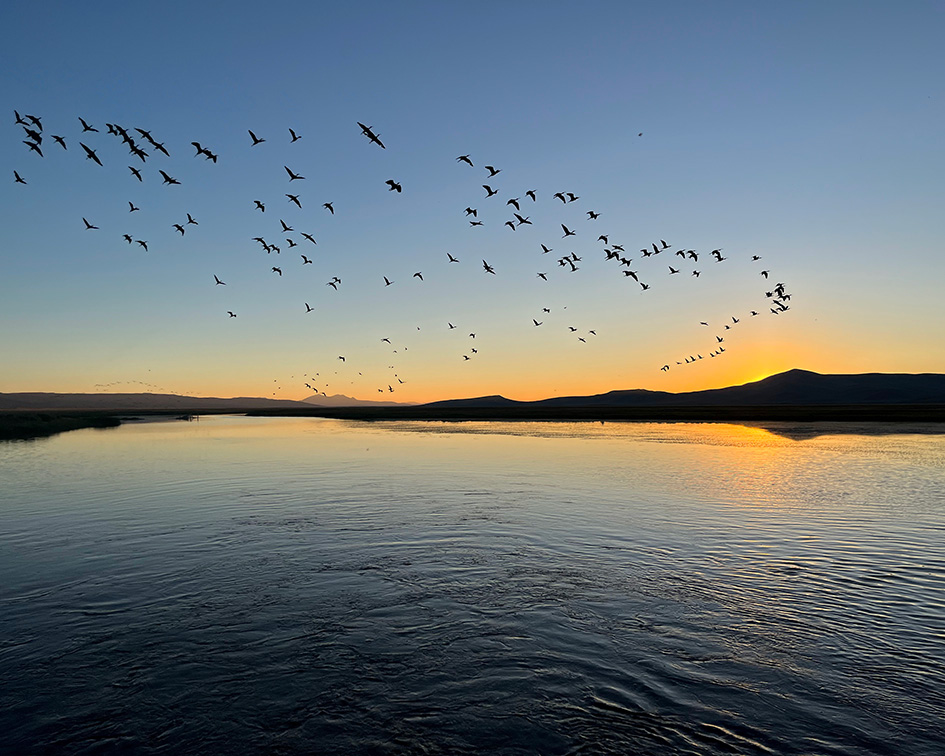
x=25, y=425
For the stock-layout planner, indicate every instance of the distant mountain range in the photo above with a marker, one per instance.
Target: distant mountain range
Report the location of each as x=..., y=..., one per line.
x=137, y=402
x=793, y=388
x=340, y=400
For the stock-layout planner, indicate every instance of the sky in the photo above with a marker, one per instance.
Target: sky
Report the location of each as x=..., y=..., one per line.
x=809, y=135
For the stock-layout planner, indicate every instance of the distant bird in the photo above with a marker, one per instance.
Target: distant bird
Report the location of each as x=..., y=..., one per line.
x=560, y=196
x=764, y=273
x=489, y=190
x=286, y=228
x=510, y=224
x=89, y=226
x=256, y=139
x=531, y=193
x=61, y=141
x=218, y=281
x=306, y=261
x=34, y=147
x=672, y=270
x=591, y=215
x=567, y=232
x=180, y=228
x=543, y=277
x=295, y=198
x=536, y=322
x=18, y=179
x=386, y=339
x=464, y=159
x=135, y=172
x=309, y=237
x=369, y=133
x=452, y=259
x=418, y=274
x=475, y=223
x=132, y=208
x=127, y=238
x=170, y=180
x=291, y=243
x=604, y=238
x=488, y=268
x=545, y=250
x=387, y=281
x=514, y=202
x=393, y=186
x=329, y=207
x=493, y=171
x=522, y=221
x=86, y=127
x=277, y=270
x=308, y=308
x=260, y=206
x=292, y=176
x=144, y=244
x=90, y=154
x=19, y=120
x=231, y=313
x=191, y=221
x=295, y=137
x=332, y=284
x=471, y=211
x=572, y=197
x=450, y=325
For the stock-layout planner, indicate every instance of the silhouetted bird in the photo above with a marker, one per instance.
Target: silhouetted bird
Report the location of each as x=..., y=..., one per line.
x=393, y=186
x=90, y=154
x=218, y=281
x=464, y=159
x=168, y=179
x=256, y=140
x=18, y=178
x=89, y=226
x=369, y=133
x=86, y=127
x=292, y=176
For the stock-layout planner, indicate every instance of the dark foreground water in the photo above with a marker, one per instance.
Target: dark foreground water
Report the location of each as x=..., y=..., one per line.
x=239, y=585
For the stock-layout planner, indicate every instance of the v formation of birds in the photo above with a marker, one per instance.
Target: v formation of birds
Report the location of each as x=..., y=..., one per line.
x=643, y=269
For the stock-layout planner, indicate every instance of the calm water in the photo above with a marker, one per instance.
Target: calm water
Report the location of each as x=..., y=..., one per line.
x=240, y=585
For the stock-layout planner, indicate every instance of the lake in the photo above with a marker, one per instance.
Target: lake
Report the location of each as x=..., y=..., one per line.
x=253, y=585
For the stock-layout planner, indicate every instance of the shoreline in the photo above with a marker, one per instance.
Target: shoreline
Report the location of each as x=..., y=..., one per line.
x=20, y=425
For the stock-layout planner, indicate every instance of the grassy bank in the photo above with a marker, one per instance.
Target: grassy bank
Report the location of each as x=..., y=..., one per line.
x=25, y=425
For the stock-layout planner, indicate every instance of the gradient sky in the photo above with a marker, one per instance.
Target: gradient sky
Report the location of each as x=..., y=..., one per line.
x=808, y=133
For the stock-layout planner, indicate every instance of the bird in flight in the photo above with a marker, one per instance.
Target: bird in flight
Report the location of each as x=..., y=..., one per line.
x=471, y=211
x=545, y=250
x=369, y=133
x=329, y=207
x=464, y=159
x=168, y=179
x=260, y=206
x=419, y=275
x=294, y=198
x=85, y=126
x=277, y=270
x=536, y=322
x=286, y=228
x=591, y=215
x=488, y=268
x=489, y=190
x=475, y=223
x=89, y=226
x=295, y=137
x=34, y=147
x=61, y=141
x=127, y=238
x=493, y=171
x=256, y=139
x=531, y=193
x=180, y=228
x=90, y=154
x=514, y=201
x=132, y=208
x=217, y=281
x=18, y=178
x=144, y=244
x=306, y=261
x=135, y=172
x=191, y=221
x=567, y=231
x=231, y=313
x=393, y=186
x=452, y=259
x=310, y=238
x=292, y=176
x=387, y=281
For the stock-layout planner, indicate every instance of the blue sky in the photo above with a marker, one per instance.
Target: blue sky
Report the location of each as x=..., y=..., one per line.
x=809, y=134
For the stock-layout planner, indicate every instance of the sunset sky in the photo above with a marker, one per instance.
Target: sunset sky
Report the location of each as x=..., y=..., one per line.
x=809, y=134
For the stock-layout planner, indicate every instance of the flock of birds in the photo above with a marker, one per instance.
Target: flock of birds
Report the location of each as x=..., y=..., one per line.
x=643, y=269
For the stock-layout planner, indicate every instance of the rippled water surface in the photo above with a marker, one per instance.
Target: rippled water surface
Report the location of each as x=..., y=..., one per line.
x=240, y=585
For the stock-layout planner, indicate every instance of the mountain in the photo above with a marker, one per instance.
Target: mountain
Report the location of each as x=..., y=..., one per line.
x=137, y=402
x=340, y=400
x=793, y=388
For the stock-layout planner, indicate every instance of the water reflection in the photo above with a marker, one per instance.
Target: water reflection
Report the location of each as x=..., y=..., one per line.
x=298, y=585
